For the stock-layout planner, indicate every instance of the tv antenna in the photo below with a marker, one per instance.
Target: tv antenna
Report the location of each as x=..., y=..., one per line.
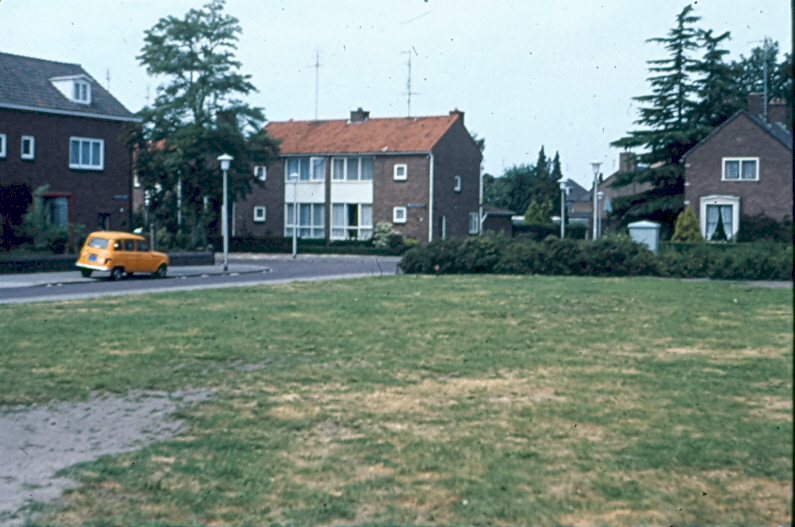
x=765, y=59
x=409, y=93
x=317, y=65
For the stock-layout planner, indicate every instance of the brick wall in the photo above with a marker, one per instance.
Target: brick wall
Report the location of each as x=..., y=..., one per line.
x=771, y=195
x=89, y=192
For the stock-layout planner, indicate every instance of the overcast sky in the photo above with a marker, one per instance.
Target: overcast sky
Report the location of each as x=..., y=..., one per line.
x=526, y=73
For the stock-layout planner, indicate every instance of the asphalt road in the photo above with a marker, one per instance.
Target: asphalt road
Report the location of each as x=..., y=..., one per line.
x=243, y=269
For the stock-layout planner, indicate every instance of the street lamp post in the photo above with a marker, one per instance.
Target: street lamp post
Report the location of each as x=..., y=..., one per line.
x=599, y=196
x=563, y=189
x=595, y=165
x=225, y=161
x=294, y=179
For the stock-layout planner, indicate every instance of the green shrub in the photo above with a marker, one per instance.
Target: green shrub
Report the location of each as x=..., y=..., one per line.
x=616, y=255
x=686, y=228
x=386, y=237
x=480, y=254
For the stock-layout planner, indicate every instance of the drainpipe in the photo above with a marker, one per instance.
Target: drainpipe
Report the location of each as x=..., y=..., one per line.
x=480, y=200
x=430, y=199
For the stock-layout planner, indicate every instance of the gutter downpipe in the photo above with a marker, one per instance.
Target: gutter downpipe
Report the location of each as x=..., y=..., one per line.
x=430, y=199
x=480, y=201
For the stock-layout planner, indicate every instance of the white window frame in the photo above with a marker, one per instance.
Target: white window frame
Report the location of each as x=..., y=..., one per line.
x=260, y=214
x=263, y=175
x=734, y=201
x=362, y=231
x=32, y=153
x=346, y=163
x=740, y=161
x=457, y=184
x=399, y=214
x=81, y=92
x=316, y=225
x=312, y=174
x=404, y=176
x=3, y=145
x=91, y=142
x=474, y=223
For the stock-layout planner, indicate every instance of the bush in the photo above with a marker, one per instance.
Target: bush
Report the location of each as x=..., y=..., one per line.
x=686, y=227
x=611, y=255
x=764, y=228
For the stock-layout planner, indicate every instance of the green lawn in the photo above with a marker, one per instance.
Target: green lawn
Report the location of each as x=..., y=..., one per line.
x=465, y=400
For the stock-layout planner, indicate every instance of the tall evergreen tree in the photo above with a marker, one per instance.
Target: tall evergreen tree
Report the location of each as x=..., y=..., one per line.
x=717, y=91
x=522, y=184
x=669, y=131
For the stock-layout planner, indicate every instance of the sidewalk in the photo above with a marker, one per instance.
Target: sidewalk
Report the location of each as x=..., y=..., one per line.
x=68, y=277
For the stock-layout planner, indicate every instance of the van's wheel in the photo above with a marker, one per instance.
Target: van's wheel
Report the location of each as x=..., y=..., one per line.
x=117, y=273
x=86, y=273
x=161, y=272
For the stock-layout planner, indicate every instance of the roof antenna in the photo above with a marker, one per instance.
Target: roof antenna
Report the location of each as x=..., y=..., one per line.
x=107, y=78
x=409, y=93
x=317, y=65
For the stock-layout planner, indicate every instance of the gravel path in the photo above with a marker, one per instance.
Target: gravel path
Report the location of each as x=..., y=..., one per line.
x=38, y=441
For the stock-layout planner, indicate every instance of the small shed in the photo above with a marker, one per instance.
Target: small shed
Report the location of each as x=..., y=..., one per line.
x=646, y=232
x=497, y=220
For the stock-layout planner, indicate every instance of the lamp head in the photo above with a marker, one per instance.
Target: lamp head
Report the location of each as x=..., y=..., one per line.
x=563, y=185
x=595, y=165
x=225, y=160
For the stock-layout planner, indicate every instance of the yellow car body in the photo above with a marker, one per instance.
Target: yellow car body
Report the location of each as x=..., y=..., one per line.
x=120, y=253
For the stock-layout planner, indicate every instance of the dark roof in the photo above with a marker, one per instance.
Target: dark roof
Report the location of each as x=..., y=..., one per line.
x=25, y=85
x=779, y=133
x=388, y=135
x=488, y=210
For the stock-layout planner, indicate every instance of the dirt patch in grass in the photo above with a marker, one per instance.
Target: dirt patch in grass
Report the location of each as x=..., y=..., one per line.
x=722, y=355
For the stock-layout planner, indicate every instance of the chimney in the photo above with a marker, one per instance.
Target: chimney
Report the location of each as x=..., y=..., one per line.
x=626, y=162
x=359, y=116
x=777, y=110
x=459, y=113
x=755, y=103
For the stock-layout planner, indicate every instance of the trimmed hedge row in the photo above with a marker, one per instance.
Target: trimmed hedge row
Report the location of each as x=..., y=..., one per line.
x=607, y=256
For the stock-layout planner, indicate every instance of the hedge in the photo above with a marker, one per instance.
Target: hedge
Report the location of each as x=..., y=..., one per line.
x=610, y=255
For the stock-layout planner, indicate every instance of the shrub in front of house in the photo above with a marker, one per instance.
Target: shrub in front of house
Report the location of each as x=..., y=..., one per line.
x=611, y=255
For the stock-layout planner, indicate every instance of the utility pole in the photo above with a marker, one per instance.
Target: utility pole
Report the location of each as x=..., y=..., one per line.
x=409, y=93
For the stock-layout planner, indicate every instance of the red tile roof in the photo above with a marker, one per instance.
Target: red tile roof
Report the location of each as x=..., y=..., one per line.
x=399, y=134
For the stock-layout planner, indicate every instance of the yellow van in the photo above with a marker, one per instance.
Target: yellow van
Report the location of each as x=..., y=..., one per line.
x=121, y=253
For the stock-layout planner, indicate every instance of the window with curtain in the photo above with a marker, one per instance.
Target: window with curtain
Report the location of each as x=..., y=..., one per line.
x=307, y=168
x=86, y=153
x=311, y=220
x=719, y=216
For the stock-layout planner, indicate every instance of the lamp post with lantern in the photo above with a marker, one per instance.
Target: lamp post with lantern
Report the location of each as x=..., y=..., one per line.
x=595, y=165
x=225, y=160
x=563, y=189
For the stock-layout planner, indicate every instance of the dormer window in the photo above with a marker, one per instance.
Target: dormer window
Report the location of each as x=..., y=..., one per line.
x=76, y=88
x=81, y=92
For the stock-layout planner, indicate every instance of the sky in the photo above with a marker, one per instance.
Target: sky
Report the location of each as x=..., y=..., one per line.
x=526, y=73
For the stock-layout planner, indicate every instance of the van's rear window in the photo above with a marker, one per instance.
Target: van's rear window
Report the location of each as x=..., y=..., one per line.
x=99, y=243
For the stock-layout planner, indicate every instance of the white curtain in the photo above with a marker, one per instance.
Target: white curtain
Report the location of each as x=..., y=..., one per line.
x=726, y=217
x=712, y=220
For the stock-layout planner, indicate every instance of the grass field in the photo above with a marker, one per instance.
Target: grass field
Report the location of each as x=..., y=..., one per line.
x=465, y=400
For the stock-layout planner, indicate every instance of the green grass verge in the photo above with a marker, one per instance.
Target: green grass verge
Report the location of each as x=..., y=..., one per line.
x=463, y=400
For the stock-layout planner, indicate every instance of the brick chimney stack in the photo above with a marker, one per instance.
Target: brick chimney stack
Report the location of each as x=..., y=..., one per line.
x=626, y=162
x=459, y=113
x=359, y=116
x=776, y=108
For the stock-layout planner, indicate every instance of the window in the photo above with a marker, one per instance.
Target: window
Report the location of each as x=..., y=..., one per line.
x=719, y=217
x=2, y=145
x=399, y=215
x=741, y=169
x=28, y=147
x=86, y=154
x=351, y=221
x=311, y=220
x=474, y=223
x=352, y=169
x=261, y=172
x=57, y=209
x=457, y=184
x=401, y=173
x=142, y=245
x=81, y=92
x=307, y=168
x=259, y=214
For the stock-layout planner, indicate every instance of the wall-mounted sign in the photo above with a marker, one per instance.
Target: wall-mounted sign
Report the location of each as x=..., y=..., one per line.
x=416, y=205
x=120, y=196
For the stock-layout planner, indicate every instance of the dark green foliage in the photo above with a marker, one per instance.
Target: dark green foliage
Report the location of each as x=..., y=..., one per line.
x=197, y=116
x=761, y=227
x=740, y=261
x=522, y=184
x=608, y=256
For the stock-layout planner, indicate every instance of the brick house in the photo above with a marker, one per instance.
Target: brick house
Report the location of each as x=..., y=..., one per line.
x=421, y=174
x=59, y=127
x=742, y=169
